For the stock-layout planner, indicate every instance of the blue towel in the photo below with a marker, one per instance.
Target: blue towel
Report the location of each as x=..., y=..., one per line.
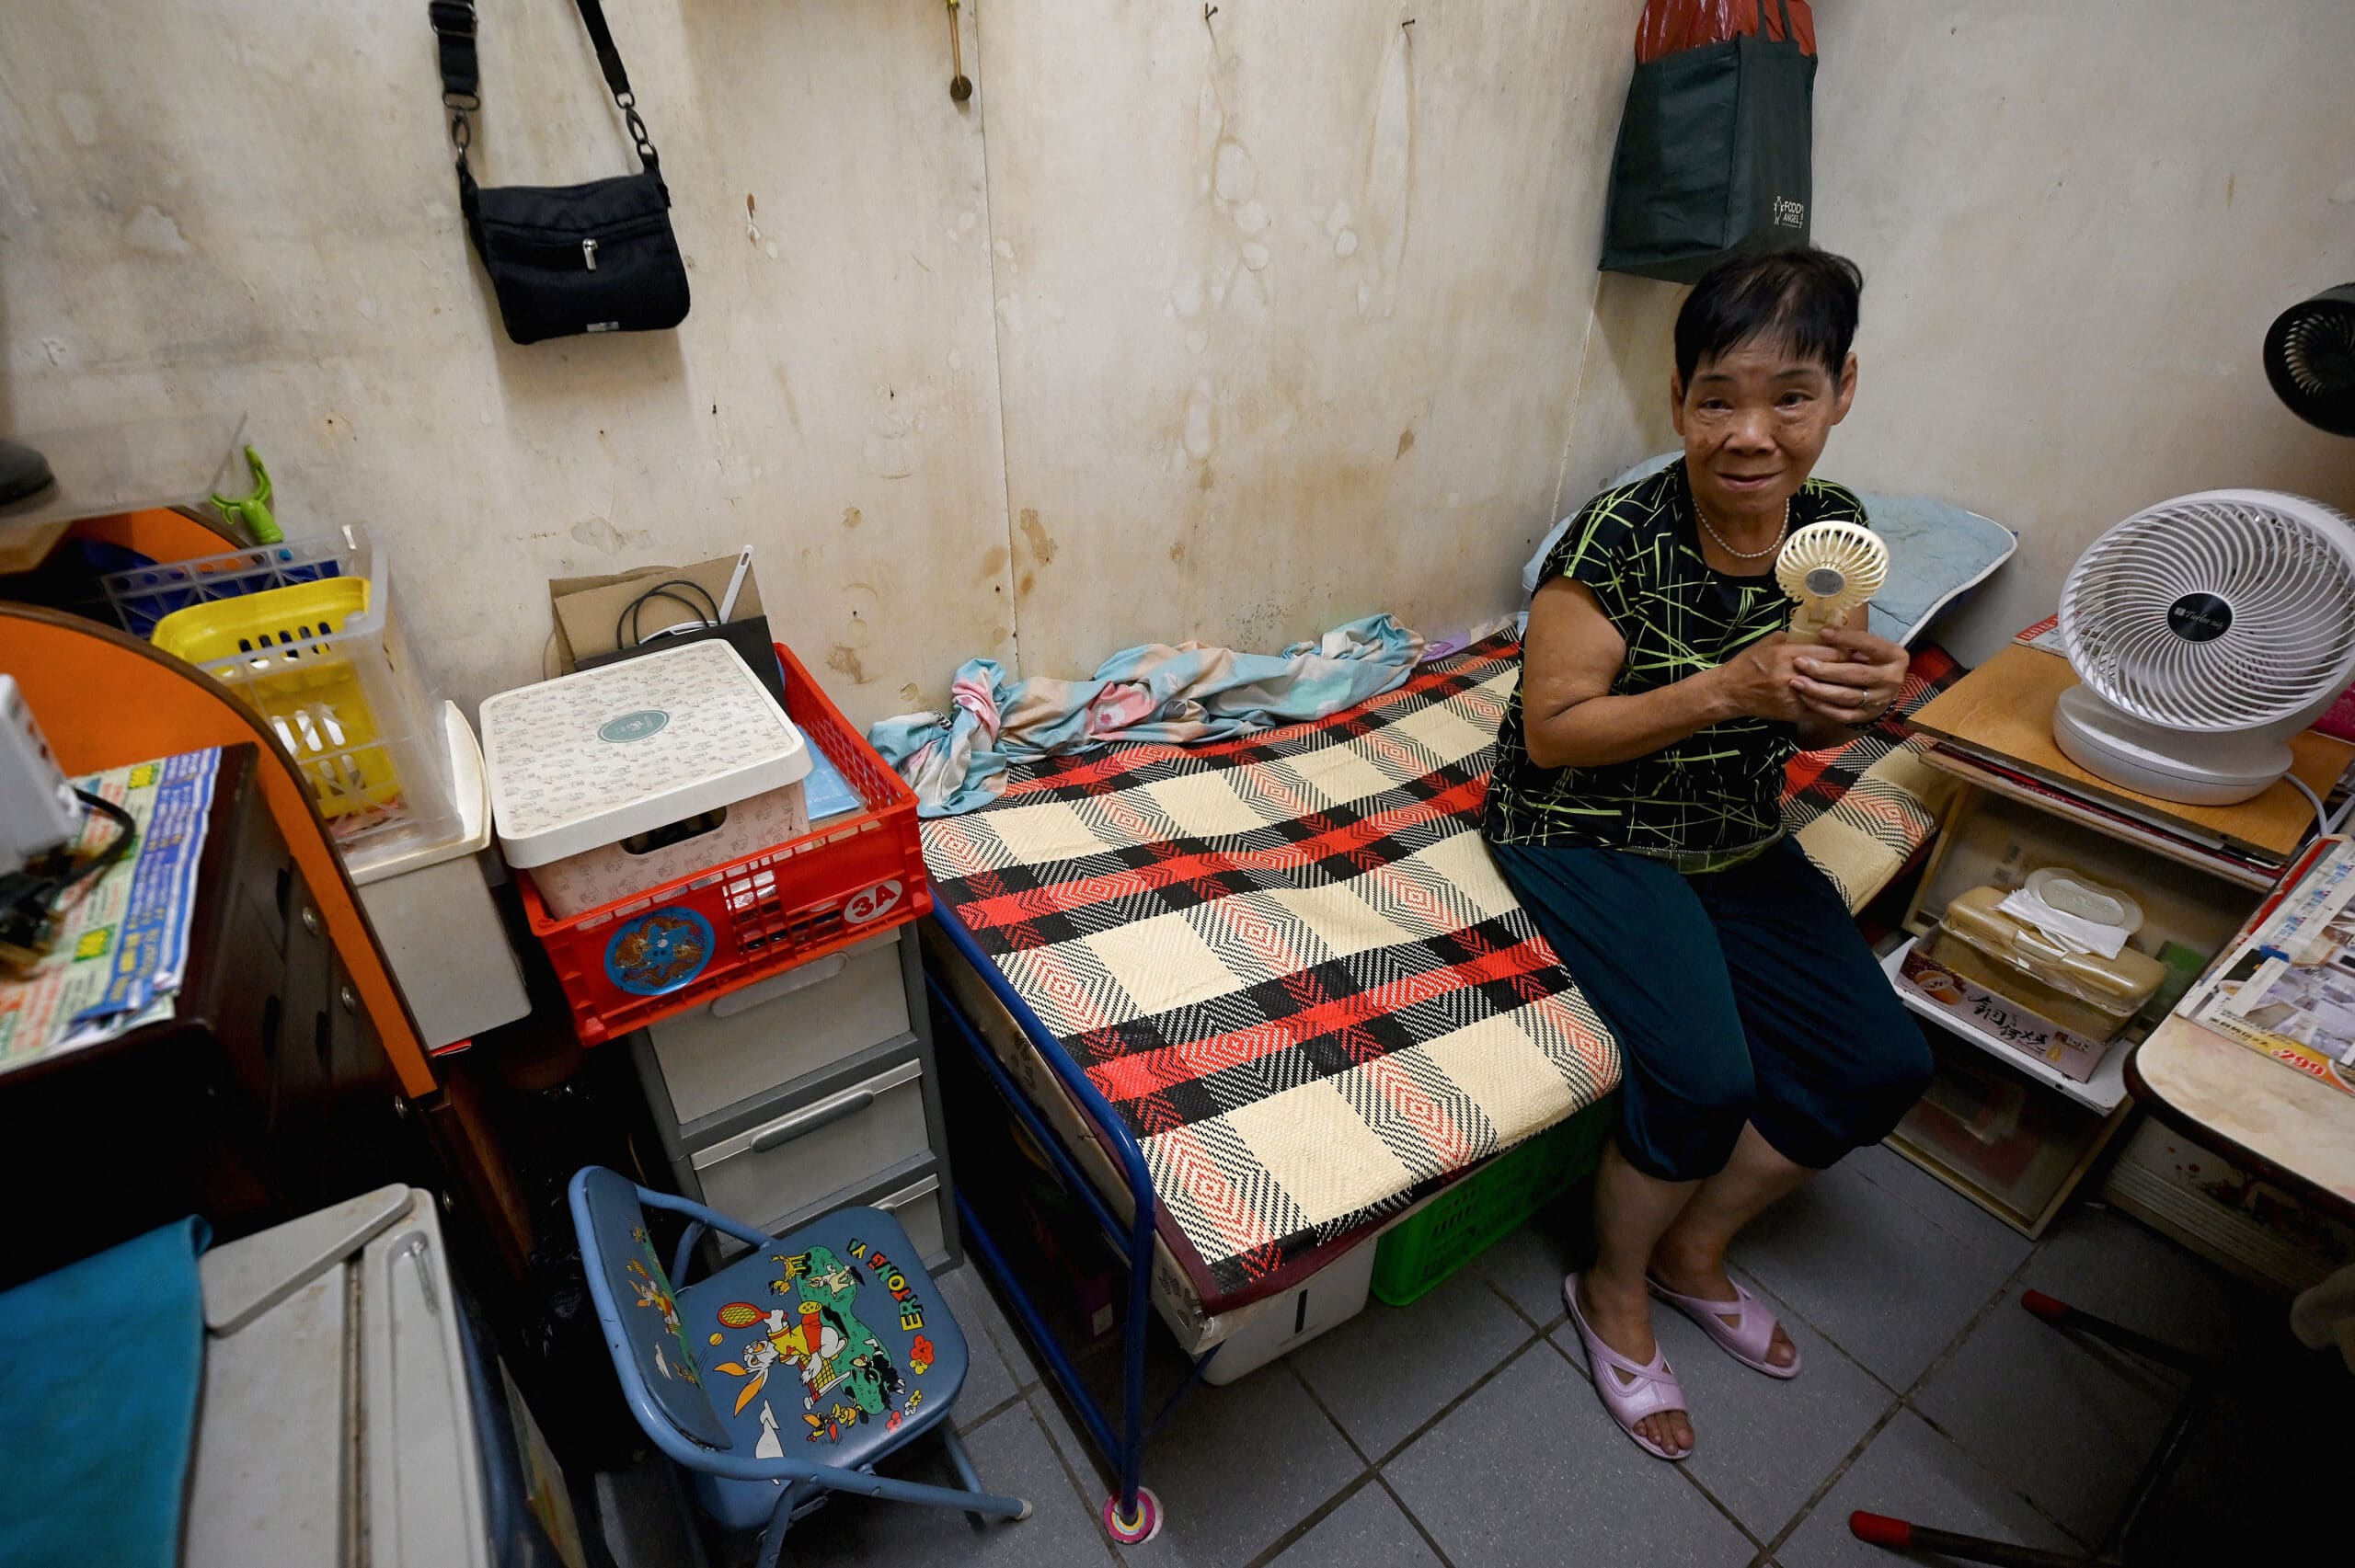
x=99, y=1366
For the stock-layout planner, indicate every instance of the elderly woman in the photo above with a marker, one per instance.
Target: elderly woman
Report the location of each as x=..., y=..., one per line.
x=1635, y=810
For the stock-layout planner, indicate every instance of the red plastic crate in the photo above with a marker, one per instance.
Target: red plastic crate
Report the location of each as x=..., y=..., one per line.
x=657, y=953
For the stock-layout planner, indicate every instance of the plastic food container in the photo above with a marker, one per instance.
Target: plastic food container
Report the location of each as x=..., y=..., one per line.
x=624, y=777
x=324, y=665
x=2083, y=992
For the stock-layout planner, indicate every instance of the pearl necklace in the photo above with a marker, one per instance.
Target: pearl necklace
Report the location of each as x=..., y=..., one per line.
x=1746, y=555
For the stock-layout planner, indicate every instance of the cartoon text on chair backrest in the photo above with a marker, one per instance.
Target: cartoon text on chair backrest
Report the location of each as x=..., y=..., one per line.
x=614, y=1246
x=843, y=1316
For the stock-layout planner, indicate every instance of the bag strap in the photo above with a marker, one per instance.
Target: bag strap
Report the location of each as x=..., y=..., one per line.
x=453, y=33
x=609, y=61
x=1783, y=5
x=454, y=30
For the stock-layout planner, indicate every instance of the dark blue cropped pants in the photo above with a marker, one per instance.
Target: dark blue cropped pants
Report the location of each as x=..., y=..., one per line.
x=1745, y=995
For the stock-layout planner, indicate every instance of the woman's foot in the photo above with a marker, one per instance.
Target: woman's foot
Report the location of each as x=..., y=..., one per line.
x=1625, y=1330
x=1705, y=1282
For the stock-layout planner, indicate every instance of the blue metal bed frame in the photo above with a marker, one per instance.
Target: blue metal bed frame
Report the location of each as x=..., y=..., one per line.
x=1132, y=1514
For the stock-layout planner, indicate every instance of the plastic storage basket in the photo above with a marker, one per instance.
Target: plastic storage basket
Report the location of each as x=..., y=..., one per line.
x=655, y=955
x=143, y=595
x=324, y=664
x=1419, y=1254
x=612, y=781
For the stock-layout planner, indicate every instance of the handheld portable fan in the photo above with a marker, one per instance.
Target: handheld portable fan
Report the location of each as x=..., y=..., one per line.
x=2206, y=631
x=1829, y=569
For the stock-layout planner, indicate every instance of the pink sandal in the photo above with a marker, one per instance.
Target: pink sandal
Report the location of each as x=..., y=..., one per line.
x=1747, y=1339
x=1653, y=1391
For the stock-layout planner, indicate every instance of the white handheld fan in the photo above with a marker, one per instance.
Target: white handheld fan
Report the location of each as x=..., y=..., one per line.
x=1829, y=569
x=2206, y=631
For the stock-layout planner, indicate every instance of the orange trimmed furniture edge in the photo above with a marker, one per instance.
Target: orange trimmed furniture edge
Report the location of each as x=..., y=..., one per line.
x=105, y=700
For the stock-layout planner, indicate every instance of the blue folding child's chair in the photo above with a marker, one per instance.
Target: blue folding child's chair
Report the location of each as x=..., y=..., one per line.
x=789, y=1374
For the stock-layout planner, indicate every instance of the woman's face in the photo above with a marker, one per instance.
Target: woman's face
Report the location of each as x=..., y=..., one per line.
x=1755, y=420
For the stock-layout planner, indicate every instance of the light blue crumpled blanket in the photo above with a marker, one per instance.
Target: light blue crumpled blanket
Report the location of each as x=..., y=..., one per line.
x=957, y=761
x=1936, y=554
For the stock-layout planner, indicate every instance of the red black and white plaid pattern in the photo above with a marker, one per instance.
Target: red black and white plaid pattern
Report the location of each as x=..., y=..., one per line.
x=1861, y=811
x=1289, y=963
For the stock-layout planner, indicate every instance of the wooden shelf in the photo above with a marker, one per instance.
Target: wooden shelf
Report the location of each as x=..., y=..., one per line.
x=2104, y=1092
x=2003, y=709
x=2156, y=840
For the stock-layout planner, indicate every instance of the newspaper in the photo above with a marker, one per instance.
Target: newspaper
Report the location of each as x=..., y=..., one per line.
x=2045, y=634
x=122, y=943
x=2287, y=989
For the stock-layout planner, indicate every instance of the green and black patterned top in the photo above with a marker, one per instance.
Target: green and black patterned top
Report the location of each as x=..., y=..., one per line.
x=1714, y=797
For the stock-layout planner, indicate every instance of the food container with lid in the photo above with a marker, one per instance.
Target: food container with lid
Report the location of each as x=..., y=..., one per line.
x=624, y=777
x=2081, y=992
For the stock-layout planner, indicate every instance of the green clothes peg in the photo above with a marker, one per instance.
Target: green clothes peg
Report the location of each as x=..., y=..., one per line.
x=253, y=511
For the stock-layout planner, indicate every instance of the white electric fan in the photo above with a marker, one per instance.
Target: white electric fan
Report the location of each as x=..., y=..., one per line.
x=2206, y=631
x=1829, y=569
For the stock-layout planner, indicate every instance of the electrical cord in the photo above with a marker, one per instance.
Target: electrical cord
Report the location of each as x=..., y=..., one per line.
x=2322, y=816
x=630, y=612
x=28, y=899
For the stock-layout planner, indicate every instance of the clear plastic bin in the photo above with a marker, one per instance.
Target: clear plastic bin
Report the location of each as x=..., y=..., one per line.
x=2083, y=992
x=324, y=665
x=143, y=595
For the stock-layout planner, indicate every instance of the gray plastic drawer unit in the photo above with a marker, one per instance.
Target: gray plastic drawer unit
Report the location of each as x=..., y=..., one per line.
x=782, y=1028
x=808, y=1092
x=843, y=1140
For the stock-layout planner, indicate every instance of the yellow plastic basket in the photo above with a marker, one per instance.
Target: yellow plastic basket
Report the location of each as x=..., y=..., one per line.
x=283, y=652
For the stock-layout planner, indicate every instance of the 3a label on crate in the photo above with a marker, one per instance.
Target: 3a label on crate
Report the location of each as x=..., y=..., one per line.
x=873, y=904
x=660, y=951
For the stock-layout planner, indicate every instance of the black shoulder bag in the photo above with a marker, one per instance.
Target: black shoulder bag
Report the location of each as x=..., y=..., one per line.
x=569, y=259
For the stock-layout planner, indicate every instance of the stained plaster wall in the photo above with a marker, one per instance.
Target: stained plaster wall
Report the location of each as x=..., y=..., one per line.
x=2075, y=221
x=1227, y=331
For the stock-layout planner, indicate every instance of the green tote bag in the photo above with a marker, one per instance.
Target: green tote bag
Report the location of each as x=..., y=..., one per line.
x=1714, y=156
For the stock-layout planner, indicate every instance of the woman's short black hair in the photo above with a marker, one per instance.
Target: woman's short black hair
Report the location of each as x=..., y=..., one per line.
x=1803, y=299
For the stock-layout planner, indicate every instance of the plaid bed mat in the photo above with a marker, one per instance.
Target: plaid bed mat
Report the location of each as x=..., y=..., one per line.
x=1289, y=965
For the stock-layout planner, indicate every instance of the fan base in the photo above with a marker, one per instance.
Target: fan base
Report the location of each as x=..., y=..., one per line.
x=2196, y=768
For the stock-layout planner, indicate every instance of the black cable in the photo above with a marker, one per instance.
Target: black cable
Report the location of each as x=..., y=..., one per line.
x=127, y=830
x=629, y=612
x=28, y=899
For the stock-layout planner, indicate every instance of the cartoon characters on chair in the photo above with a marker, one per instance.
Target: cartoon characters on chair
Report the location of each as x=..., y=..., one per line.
x=653, y=1288
x=848, y=1377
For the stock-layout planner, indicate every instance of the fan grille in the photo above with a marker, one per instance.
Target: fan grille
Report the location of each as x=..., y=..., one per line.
x=2281, y=565
x=2310, y=359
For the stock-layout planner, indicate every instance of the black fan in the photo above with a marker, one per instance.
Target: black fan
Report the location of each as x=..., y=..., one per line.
x=2310, y=359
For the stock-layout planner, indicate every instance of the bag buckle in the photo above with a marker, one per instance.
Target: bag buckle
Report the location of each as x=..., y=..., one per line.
x=453, y=29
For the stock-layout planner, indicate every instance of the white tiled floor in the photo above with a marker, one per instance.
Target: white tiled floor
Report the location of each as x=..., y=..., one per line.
x=1462, y=1430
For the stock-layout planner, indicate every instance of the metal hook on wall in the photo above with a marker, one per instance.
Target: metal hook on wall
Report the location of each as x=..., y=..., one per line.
x=959, y=87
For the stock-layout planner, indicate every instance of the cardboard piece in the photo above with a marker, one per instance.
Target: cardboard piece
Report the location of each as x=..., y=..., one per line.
x=587, y=608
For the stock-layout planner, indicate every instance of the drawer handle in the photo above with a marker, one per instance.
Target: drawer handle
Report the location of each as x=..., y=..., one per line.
x=786, y=984
x=900, y=1200
x=810, y=1120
